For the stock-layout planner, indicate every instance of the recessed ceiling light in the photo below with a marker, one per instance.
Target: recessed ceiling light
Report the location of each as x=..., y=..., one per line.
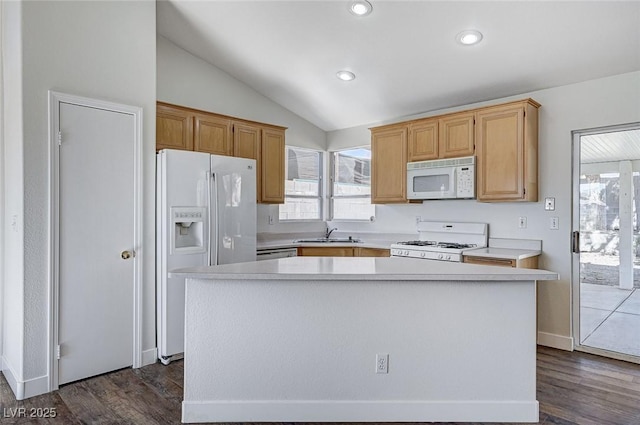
x=469, y=37
x=345, y=75
x=360, y=7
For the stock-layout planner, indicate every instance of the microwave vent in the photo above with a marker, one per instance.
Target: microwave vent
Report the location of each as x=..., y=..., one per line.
x=437, y=163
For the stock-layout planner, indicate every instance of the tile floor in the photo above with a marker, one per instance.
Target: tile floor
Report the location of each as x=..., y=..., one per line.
x=610, y=318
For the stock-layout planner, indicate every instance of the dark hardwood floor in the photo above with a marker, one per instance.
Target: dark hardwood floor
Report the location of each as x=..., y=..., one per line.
x=573, y=388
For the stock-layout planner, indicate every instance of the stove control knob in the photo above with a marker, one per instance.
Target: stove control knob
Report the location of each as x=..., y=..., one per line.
x=406, y=253
x=448, y=257
x=422, y=254
x=440, y=256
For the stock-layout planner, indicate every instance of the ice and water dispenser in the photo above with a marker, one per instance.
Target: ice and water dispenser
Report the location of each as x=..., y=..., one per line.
x=188, y=230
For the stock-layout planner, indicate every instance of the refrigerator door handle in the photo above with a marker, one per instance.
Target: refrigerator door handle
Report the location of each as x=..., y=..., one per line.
x=213, y=221
x=208, y=230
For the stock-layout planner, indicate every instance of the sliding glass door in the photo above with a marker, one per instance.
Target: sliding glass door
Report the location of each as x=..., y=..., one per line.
x=606, y=246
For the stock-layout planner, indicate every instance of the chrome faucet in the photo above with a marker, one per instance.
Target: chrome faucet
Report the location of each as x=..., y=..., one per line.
x=329, y=232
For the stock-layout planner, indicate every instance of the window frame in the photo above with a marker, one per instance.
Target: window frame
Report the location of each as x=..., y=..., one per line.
x=332, y=196
x=320, y=195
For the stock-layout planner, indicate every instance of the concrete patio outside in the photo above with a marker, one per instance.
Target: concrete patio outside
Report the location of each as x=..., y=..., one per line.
x=609, y=316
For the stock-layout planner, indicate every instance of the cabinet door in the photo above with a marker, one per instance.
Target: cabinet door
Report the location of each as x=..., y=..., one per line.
x=456, y=135
x=489, y=261
x=321, y=251
x=423, y=140
x=174, y=128
x=501, y=154
x=389, y=165
x=213, y=134
x=272, y=166
x=246, y=140
x=371, y=252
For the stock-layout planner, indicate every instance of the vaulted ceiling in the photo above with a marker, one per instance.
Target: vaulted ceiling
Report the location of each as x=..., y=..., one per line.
x=404, y=54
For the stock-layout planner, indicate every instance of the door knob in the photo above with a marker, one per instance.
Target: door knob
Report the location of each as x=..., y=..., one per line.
x=127, y=254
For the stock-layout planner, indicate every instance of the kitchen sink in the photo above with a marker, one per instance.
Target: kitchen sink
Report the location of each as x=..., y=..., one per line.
x=329, y=240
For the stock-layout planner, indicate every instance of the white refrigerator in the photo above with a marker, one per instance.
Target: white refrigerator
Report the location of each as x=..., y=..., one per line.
x=205, y=215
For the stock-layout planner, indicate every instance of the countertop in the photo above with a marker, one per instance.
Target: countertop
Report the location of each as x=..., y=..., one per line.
x=361, y=269
x=506, y=253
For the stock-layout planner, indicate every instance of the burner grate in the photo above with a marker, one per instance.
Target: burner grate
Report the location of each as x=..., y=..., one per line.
x=419, y=243
x=454, y=245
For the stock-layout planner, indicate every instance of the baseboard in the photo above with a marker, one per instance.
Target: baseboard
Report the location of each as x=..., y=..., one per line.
x=555, y=341
x=24, y=389
x=149, y=356
x=358, y=411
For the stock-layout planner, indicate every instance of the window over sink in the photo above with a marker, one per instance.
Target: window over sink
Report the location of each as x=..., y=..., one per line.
x=303, y=185
x=350, y=187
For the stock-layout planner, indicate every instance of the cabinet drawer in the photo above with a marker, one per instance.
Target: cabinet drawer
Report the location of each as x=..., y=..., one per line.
x=489, y=261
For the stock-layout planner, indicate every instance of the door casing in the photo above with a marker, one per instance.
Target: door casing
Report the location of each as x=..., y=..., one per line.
x=575, y=227
x=55, y=98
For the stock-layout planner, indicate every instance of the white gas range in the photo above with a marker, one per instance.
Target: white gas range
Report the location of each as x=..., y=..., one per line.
x=443, y=241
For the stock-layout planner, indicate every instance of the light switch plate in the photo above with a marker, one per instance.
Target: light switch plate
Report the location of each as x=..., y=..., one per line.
x=554, y=223
x=550, y=204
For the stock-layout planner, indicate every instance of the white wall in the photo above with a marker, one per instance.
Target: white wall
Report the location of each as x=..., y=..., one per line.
x=184, y=79
x=99, y=49
x=2, y=179
x=13, y=187
x=601, y=102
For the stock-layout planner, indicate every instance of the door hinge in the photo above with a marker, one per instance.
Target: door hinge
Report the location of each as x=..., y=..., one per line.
x=59, y=138
x=58, y=352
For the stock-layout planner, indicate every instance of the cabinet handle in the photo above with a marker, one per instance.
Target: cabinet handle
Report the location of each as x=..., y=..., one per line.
x=575, y=242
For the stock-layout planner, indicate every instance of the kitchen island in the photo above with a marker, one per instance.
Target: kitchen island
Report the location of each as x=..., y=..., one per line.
x=313, y=339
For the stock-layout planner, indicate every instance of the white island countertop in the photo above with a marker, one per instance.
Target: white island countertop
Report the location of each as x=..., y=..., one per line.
x=361, y=269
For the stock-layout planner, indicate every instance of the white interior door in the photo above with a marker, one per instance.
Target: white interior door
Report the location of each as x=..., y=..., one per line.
x=96, y=241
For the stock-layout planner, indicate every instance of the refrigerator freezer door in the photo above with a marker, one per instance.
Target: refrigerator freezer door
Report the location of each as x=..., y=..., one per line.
x=181, y=182
x=233, y=210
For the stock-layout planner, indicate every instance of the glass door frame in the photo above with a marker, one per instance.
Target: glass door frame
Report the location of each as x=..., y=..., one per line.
x=575, y=242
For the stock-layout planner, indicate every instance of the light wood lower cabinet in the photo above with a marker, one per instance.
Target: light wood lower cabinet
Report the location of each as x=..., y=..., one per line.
x=329, y=251
x=339, y=251
x=525, y=263
x=371, y=252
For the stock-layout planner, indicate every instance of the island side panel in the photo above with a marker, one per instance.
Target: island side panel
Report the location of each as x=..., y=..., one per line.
x=305, y=351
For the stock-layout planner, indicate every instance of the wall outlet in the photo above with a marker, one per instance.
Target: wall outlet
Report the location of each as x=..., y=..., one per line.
x=550, y=204
x=554, y=223
x=271, y=219
x=382, y=363
x=418, y=219
x=522, y=222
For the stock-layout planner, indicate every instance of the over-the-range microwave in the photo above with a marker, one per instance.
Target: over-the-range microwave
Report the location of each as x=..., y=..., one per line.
x=453, y=178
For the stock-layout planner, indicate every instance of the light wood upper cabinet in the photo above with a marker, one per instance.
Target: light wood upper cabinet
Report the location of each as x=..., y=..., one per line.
x=212, y=134
x=456, y=135
x=174, y=128
x=507, y=152
x=423, y=140
x=246, y=140
x=448, y=136
x=178, y=127
x=271, y=167
x=389, y=164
